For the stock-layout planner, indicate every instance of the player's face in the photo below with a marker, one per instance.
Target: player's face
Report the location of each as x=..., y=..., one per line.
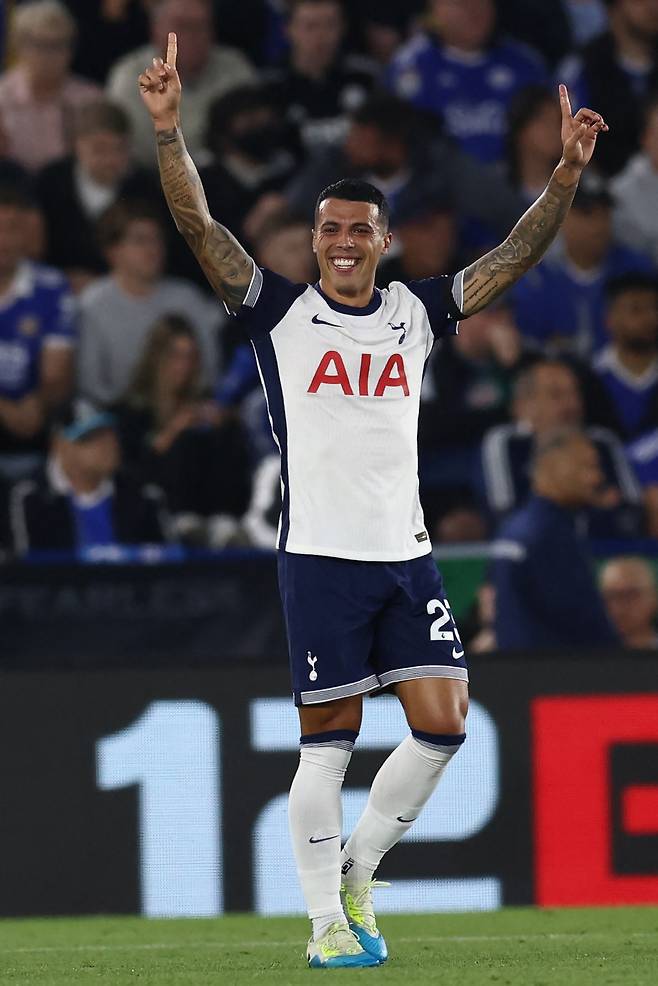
x=348, y=241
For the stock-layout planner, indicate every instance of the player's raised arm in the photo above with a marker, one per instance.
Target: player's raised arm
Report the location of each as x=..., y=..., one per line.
x=535, y=231
x=227, y=266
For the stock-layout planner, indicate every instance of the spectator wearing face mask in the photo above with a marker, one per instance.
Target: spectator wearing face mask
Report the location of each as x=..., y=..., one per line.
x=254, y=154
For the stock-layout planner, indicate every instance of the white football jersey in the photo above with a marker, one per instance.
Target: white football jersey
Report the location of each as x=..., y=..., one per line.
x=343, y=392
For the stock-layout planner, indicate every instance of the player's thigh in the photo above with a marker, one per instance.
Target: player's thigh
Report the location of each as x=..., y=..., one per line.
x=329, y=614
x=416, y=636
x=343, y=713
x=434, y=705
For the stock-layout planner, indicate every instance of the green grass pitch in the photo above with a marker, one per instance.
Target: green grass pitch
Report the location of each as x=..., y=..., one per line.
x=512, y=947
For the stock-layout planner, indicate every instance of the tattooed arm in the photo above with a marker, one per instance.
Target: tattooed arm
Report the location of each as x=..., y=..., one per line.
x=228, y=267
x=489, y=276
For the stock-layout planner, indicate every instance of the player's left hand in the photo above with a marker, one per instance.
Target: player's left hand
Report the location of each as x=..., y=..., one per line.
x=579, y=132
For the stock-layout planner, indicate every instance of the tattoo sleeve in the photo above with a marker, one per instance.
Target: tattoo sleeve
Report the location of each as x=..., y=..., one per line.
x=489, y=276
x=227, y=266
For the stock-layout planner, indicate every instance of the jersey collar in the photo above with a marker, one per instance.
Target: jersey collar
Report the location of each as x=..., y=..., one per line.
x=372, y=306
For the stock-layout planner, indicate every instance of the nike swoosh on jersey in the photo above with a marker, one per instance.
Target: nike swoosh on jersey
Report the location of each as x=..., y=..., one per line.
x=320, y=321
x=326, y=839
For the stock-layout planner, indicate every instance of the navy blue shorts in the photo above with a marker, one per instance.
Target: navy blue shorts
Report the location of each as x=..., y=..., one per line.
x=356, y=626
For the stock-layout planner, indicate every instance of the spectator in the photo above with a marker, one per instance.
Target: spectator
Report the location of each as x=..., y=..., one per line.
x=466, y=390
x=542, y=24
x=533, y=140
x=36, y=341
x=253, y=155
x=561, y=301
x=394, y=147
x=615, y=72
x=628, y=586
x=118, y=311
x=643, y=454
x=208, y=70
x=478, y=629
x=318, y=85
x=179, y=439
x=38, y=94
x=628, y=365
x=284, y=246
x=107, y=30
x=635, y=191
x=548, y=396
x=425, y=233
x=75, y=191
x=81, y=501
x=465, y=73
x=546, y=594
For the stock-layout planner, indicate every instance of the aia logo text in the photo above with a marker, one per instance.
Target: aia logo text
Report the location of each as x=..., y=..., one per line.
x=332, y=372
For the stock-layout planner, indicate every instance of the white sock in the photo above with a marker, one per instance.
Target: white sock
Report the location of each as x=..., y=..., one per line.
x=315, y=815
x=399, y=792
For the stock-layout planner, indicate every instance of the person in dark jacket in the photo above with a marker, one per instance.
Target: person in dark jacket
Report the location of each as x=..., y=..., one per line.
x=546, y=593
x=75, y=191
x=81, y=499
x=616, y=72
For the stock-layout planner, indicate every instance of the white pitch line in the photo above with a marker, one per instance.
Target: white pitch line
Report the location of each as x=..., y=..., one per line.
x=438, y=939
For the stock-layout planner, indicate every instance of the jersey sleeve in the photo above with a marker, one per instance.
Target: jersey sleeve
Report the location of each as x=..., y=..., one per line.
x=268, y=299
x=442, y=298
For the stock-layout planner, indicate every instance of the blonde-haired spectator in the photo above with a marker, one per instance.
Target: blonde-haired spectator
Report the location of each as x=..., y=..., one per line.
x=38, y=93
x=628, y=587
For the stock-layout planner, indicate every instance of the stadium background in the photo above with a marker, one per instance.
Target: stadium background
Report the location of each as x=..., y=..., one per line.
x=147, y=735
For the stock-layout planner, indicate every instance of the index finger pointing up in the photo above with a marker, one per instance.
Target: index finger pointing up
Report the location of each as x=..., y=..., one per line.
x=172, y=48
x=564, y=101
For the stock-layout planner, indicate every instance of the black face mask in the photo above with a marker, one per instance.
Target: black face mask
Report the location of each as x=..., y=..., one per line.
x=261, y=143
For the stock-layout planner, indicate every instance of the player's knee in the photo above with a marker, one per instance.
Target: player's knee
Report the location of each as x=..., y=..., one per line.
x=344, y=714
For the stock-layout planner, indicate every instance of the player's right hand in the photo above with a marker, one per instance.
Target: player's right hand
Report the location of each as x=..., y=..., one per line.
x=161, y=89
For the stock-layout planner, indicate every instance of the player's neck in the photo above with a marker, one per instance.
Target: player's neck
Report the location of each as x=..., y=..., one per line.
x=359, y=299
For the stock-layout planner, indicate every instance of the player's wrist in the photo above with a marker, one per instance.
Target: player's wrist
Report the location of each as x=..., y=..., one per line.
x=166, y=123
x=567, y=173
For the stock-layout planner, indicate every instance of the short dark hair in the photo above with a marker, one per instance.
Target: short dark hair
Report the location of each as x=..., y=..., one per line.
x=633, y=280
x=357, y=190
x=101, y=117
x=114, y=222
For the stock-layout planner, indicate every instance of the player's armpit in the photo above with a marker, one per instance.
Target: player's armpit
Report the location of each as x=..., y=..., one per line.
x=228, y=267
x=489, y=276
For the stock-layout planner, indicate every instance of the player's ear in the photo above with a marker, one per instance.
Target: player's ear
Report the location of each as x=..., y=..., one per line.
x=388, y=239
x=315, y=249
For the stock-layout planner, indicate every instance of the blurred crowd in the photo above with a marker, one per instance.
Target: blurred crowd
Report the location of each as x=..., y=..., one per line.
x=130, y=406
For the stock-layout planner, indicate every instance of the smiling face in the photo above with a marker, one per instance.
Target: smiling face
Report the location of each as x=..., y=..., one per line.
x=348, y=241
